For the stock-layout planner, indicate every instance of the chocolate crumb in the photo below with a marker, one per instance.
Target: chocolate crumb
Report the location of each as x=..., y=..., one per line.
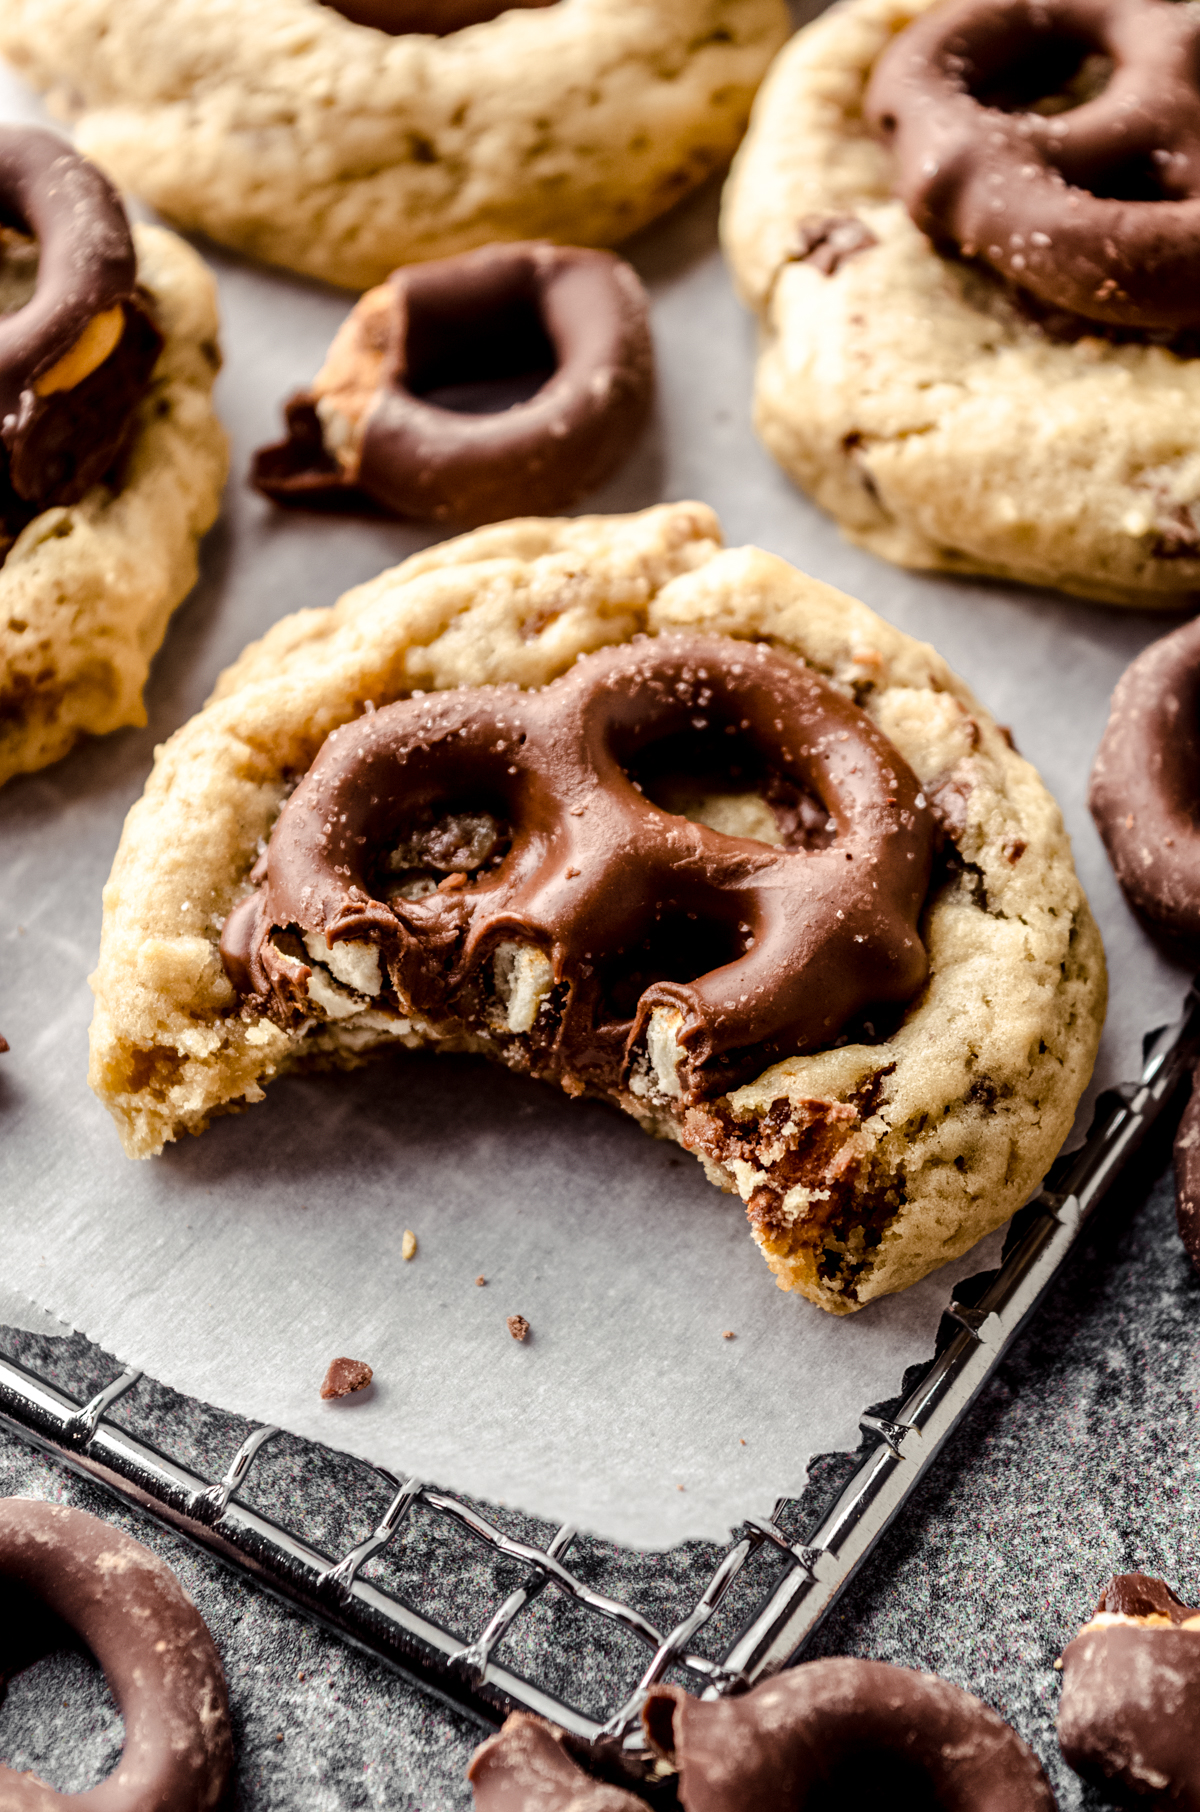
x=1015, y=849
x=518, y=1327
x=480, y=1281
x=408, y=1245
x=344, y=1376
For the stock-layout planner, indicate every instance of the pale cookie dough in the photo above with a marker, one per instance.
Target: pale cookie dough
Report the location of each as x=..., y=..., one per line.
x=286, y=131
x=863, y=1167
x=86, y=591
x=912, y=397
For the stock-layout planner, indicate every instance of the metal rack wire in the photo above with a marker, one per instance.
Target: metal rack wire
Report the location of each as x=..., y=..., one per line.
x=788, y=1600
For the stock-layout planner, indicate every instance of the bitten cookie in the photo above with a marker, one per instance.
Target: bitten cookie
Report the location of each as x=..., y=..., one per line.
x=886, y=1143
x=111, y=461
x=304, y=138
x=991, y=398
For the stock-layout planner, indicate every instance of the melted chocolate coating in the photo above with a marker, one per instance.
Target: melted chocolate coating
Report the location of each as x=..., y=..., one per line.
x=502, y=311
x=57, y=445
x=1131, y=1698
x=527, y=1769
x=157, y=1656
x=845, y=1734
x=762, y=951
x=438, y=17
x=1095, y=208
x=1145, y=785
x=1187, y=1175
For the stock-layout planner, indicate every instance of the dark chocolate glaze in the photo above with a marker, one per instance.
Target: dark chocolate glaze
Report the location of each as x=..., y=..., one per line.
x=1145, y=785
x=1130, y=1708
x=526, y=1768
x=774, y=950
x=1095, y=209
x=437, y=17
x=150, y=1640
x=57, y=445
x=504, y=309
x=1187, y=1174
x=845, y=1733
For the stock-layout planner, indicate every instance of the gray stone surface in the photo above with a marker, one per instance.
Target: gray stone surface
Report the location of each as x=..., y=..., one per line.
x=1080, y=1460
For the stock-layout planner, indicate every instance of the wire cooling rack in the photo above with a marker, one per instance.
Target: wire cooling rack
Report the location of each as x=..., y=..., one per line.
x=381, y=1567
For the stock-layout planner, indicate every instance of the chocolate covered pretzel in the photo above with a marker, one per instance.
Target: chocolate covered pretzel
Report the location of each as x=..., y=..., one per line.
x=1093, y=207
x=1130, y=1708
x=1145, y=784
x=1145, y=798
x=487, y=857
x=437, y=17
x=376, y=424
x=827, y=1733
x=77, y=345
x=129, y=1609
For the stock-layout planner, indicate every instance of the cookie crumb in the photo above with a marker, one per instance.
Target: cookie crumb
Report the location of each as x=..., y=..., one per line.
x=408, y=1245
x=518, y=1327
x=729, y=1334
x=679, y=1487
x=480, y=1281
x=741, y=1440
x=345, y=1376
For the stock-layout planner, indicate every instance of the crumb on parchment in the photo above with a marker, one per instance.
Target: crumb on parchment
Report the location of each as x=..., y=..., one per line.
x=408, y=1245
x=518, y=1327
x=345, y=1376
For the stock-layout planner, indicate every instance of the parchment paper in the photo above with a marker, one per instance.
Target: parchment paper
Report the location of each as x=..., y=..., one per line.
x=239, y=1264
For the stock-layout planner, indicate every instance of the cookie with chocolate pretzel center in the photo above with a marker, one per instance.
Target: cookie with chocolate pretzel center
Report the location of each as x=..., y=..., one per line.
x=343, y=139
x=646, y=819
x=969, y=229
x=111, y=459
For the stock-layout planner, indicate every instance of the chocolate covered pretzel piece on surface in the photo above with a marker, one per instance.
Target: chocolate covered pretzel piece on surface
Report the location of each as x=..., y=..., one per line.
x=636, y=948
x=1094, y=208
x=572, y=322
x=1130, y=1708
x=77, y=345
x=148, y=1637
x=842, y=1733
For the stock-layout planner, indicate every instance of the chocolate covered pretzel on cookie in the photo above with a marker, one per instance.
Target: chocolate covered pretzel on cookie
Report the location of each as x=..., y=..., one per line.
x=970, y=228
x=110, y=457
x=645, y=819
